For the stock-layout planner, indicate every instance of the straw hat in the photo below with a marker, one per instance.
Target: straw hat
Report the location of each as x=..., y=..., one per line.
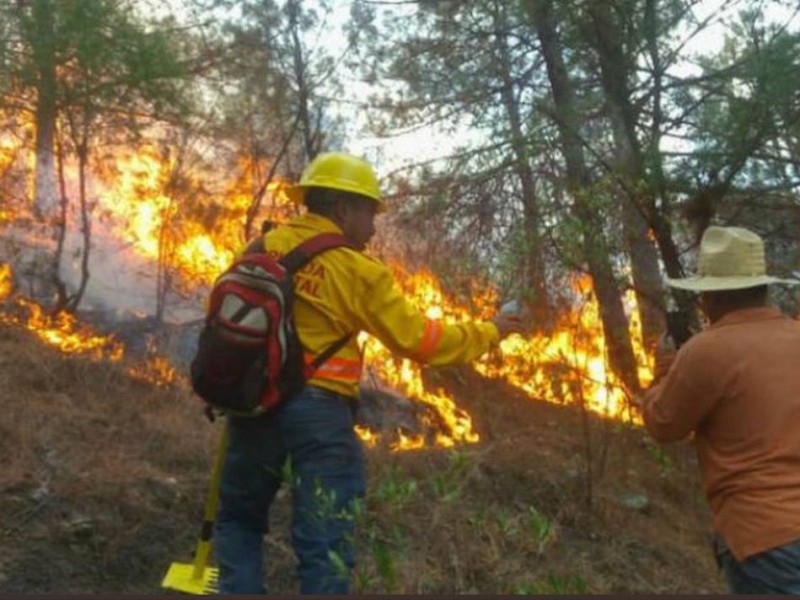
x=731, y=258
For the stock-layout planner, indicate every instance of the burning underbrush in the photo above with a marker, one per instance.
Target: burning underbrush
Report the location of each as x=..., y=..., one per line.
x=104, y=478
x=150, y=234
x=403, y=407
x=476, y=486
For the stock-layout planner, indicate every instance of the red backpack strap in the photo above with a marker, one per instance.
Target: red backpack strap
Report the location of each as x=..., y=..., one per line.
x=296, y=259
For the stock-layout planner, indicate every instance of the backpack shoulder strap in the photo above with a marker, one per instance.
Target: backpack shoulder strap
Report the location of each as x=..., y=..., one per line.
x=297, y=258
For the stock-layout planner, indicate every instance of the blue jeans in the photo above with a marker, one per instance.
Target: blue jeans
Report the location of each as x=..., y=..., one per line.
x=314, y=430
x=775, y=571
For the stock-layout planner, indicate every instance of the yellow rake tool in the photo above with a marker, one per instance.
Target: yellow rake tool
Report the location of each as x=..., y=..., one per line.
x=197, y=577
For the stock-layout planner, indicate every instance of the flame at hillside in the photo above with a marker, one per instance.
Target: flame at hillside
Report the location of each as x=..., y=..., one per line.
x=70, y=336
x=158, y=209
x=569, y=366
x=454, y=425
x=160, y=212
x=5, y=280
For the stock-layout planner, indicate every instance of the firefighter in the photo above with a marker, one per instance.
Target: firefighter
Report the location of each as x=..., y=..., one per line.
x=736, y=385
x=342, y=291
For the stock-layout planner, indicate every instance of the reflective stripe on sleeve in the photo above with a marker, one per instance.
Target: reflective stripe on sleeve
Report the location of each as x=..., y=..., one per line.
x=430, y=339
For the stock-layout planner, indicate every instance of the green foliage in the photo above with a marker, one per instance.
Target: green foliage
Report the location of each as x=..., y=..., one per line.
x=553, y=584
x=395, y=488
x=385, y=539
x=506, y=522
x=443, y=488
x=658, y=454
x=539, y=525
x=386, y=565
x=105, y=58
x=342, y=571
x=446, y=485
x=286, y=473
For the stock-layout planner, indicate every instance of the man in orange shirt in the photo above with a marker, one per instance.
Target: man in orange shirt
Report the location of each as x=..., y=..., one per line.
x=736, y=386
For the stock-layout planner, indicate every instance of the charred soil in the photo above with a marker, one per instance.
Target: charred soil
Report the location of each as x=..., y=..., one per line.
x=104, y=480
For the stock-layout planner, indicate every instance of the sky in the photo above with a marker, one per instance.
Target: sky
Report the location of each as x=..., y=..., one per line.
x=387, y=153
x=404, y=148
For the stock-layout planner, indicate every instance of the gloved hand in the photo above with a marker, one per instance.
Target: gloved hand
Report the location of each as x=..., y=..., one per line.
x=508, y=323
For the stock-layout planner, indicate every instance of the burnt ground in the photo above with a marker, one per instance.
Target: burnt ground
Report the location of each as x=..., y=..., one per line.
x=104, y=478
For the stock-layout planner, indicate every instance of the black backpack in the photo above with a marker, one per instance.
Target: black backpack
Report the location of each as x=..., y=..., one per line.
x=249, y=358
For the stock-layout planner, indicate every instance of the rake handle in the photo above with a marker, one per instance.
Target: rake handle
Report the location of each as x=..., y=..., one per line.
x=212, y=500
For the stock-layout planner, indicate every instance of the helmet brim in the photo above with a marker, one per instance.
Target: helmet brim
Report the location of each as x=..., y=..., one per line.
x=297, y=194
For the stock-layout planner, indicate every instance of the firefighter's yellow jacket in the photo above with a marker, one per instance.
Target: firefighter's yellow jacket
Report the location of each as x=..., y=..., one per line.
x=345, y=291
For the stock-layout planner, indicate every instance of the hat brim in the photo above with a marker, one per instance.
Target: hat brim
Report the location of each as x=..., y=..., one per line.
x=297, y=194
x=718, y=284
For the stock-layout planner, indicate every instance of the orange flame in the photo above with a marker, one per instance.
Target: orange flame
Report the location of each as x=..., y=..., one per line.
x=408, y=443
x=567, y=367
x=13, y=155
x=369, y=437
x=424, y=292
x=63, y=331
x=144, y=205
x=143, y=202
x=5, y=280
x=156, y=370
x=66, y=333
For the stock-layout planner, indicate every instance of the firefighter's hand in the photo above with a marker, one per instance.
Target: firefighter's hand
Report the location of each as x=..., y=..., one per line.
x=507, y=324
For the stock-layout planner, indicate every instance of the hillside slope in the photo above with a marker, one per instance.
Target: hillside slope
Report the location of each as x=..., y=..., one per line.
x=104, y=479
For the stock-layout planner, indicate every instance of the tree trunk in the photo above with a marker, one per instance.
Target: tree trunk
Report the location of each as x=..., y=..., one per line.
x=45, y=186
x=166, y=253
x=62, y=294
x=535, y=281
x=309, y=132
x=612, y=313
x=86, y=226
x=606, y=37
x=258, y=196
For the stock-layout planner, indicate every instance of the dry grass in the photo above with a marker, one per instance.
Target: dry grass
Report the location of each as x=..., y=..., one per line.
x=104, y=479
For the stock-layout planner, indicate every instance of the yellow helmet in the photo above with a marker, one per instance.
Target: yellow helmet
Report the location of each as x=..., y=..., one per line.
x=339, y=171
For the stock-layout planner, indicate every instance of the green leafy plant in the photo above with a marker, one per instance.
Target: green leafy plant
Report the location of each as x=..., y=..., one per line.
x=664, y=461
x=397, y=489
x=338, y=564
x=553, y=584
x=539, y=524
x=444, y=489
x=506, y=523
x=386, y=566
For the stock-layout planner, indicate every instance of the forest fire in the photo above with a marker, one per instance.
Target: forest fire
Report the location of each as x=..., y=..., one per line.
x=569, y=366
x=147, y=199
x=62, y=331
x=141, y=200
x=404, y=375
x=137, y=199
x=70, y=336
x=566, y=367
